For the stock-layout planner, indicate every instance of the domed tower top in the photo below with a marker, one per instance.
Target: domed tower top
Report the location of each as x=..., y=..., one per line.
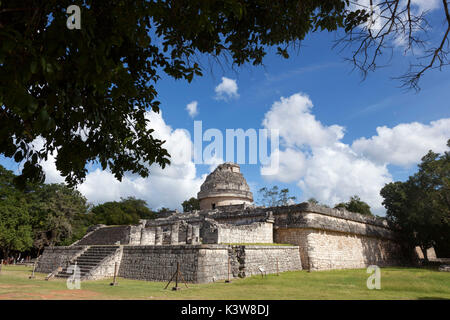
x=224, y=186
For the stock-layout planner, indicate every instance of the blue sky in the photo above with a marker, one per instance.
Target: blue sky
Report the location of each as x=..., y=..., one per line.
x=339, y=96
x=331, y=169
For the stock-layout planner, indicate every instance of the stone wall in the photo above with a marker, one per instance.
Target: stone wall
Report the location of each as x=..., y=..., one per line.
x=213, y=232
x=212, y=263
x=135, y=233
x=158, y=263
x=295, y=236
x=219, y=201
x=148, y=236
x=258, y=232
x=321, y=249
x=333, y=250
x=204, y=263
x=245, y=261
x=54, y=257
x=285, y=258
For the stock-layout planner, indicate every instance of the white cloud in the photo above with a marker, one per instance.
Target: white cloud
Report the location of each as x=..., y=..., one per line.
x=426, y=5
x=297, y=126
x=167, y=187
x=329, y=170
x=227, y=89
x=192, y=109
x=291, y=166
x=406, y=143
x=334, y=174
x=51, y=173
x=213, y=162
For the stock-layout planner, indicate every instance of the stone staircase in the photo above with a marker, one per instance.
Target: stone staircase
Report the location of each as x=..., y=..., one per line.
x=88, y=260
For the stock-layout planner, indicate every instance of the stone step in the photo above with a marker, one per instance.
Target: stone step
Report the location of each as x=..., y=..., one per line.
x=92, y=257
x=89, y=262
x=81, y=272
x=103, y=247
x=100, y=250
x=86, y=263
x=93, y=253
x=82, y=267
x=65, y=276
x=65, y=273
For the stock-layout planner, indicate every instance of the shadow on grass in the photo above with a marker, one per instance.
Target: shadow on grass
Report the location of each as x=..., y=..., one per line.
x=432, y=298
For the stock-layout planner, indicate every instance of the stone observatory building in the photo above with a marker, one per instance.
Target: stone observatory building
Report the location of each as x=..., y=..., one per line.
x=229, y=235
x=224, y=186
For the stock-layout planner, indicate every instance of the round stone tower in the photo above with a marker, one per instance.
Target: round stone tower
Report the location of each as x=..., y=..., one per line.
x=224, y=186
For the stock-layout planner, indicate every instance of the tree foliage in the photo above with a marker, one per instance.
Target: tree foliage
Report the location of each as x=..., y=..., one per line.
x=53, y=214
x=126, y=211
x=191, y=205
x=355, y=204
x=57, y=214
x=314, y=201
x=15, y=229
x=274, y=197
x=420, y=206
x=85, y=92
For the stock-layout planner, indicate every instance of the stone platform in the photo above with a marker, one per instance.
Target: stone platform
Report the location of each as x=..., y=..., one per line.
x=198, y=263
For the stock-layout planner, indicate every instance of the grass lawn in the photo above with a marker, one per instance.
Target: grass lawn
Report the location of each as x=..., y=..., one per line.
x=396, y=283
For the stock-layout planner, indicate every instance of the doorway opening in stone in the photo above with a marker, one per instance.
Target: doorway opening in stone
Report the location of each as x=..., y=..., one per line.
x=213, y=206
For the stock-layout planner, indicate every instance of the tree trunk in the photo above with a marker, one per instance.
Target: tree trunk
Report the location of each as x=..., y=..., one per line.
x=6, y=253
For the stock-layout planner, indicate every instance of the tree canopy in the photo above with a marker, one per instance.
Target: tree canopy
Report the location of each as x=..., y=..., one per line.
x=274, y=197
x=126, y=211
x=15, y=230
x=191, y=205
x=57, y=214
x=82, y=94
x=355, y=204
x=420, y=206
x=53, y=214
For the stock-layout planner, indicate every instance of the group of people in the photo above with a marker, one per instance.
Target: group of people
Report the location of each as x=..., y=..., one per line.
x=13, y=260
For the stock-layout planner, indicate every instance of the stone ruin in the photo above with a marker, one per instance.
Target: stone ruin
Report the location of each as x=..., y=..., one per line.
x=229, y=230
x=224, y=186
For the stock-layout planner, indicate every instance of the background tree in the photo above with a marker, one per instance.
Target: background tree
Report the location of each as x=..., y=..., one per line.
x=15, y=227
x=57, y=214
x=274, y=197
x=53, y=214
x=313, y=201
x=84, y=93
x=420, y=207
x=163, y=210
x=355, y=204
x=191, y=205
x=127, y=211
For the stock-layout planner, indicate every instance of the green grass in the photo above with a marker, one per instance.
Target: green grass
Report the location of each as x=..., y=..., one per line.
x=396, y=283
